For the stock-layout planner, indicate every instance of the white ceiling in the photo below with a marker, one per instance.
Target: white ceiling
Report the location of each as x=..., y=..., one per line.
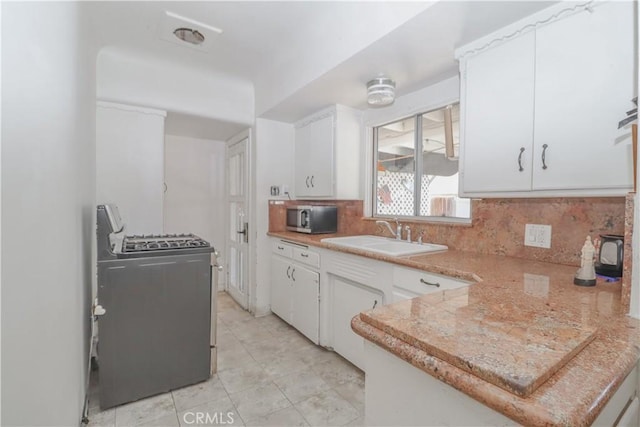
x=415, y=55
x=303, y=55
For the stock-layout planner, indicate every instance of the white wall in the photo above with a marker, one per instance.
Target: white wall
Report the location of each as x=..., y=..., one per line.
x=130, y=164
x=48, y=210
x=133, y=78
x=274, y=166
x=635, y=273
x=195, y=198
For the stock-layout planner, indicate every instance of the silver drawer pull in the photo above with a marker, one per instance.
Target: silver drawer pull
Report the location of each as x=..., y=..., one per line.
x=304, y=255
x=437, y=285
x=292, y=276
x=280, y=248
x=288, y=276
x=375, y=302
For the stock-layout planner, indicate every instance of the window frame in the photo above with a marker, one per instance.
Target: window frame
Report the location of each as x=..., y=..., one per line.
x=372, y=138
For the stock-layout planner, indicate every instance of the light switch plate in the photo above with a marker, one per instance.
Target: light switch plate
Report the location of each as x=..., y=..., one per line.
x=537, y=235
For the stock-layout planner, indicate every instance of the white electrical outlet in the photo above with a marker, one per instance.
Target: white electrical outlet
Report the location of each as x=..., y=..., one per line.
x=537, y=235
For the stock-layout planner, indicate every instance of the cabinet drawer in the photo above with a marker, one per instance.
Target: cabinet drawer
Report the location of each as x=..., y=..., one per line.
x=306, y=256
x=282, y=249
x=410, y=283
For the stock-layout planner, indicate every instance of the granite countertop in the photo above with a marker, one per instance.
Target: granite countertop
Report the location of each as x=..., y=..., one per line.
x=522, y=339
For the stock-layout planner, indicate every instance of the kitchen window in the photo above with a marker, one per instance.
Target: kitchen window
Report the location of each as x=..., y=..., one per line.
x=422, y=185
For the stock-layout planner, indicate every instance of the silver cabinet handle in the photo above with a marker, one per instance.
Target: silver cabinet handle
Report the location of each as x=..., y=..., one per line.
x=520, y=168
x=436, y=284
x=292, y=276
x=544, y=152
x=288, y=268
x=375, y=302
x=280, y=248
x=304, y=255
x=307, y=181
x=312, y=181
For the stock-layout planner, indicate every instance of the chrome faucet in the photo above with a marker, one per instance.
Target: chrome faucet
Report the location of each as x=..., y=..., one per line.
x=398, y=229
x=398, y=233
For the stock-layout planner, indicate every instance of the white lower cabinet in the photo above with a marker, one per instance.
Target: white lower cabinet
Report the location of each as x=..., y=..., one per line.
x=306, y=305
x=281, y=294
x=399, y=394
x=295, y=289
x=410, y=283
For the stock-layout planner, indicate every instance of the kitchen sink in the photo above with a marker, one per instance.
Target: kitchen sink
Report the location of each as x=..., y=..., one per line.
x=383, y=245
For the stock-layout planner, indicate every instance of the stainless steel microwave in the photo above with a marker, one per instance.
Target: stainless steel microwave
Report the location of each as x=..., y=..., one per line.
x=312, y=219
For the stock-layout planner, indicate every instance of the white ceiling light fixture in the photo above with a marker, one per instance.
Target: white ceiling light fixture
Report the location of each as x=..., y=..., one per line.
x=189, y=35
x=381, y=91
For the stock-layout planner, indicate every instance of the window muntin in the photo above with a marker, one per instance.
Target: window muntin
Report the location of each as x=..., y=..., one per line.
x=426, y=185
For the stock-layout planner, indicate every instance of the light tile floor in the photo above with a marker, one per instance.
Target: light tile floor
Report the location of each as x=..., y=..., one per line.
x=268, y=375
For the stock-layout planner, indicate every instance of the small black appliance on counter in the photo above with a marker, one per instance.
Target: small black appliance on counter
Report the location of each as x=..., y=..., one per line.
x=609, y=262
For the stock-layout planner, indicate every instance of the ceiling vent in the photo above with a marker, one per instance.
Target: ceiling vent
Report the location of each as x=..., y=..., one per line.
x=187, y=32
x=189, y=35
x=381, y=91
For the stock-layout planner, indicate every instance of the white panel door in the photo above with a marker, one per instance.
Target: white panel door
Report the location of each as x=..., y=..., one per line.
x=584, y=86
x=306, y=305
x=238, y=233
x=497, y=109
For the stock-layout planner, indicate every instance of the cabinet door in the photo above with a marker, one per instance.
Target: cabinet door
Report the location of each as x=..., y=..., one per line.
x=349, y=299
x=306, y=305
x=584, y=86
x=281, y=288
x=314, y=169
x=321, y=157
x=303, y=143
x=498, y=118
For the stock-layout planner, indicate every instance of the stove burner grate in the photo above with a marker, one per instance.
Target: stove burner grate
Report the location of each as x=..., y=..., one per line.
x=159, y=242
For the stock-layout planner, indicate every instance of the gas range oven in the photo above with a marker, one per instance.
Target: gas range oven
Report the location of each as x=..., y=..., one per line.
x=158, y=332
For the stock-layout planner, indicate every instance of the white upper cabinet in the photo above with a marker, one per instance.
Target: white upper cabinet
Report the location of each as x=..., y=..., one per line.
x=540, y=110
x=498, y=118
x=327, y=155
x=584, y=85
x=315, y=158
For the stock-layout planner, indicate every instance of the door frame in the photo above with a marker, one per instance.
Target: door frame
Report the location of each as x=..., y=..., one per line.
x=251, y=216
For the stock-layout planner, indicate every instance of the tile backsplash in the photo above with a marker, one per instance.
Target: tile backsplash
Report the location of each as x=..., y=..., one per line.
x=497, y=225
x=349, y=215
